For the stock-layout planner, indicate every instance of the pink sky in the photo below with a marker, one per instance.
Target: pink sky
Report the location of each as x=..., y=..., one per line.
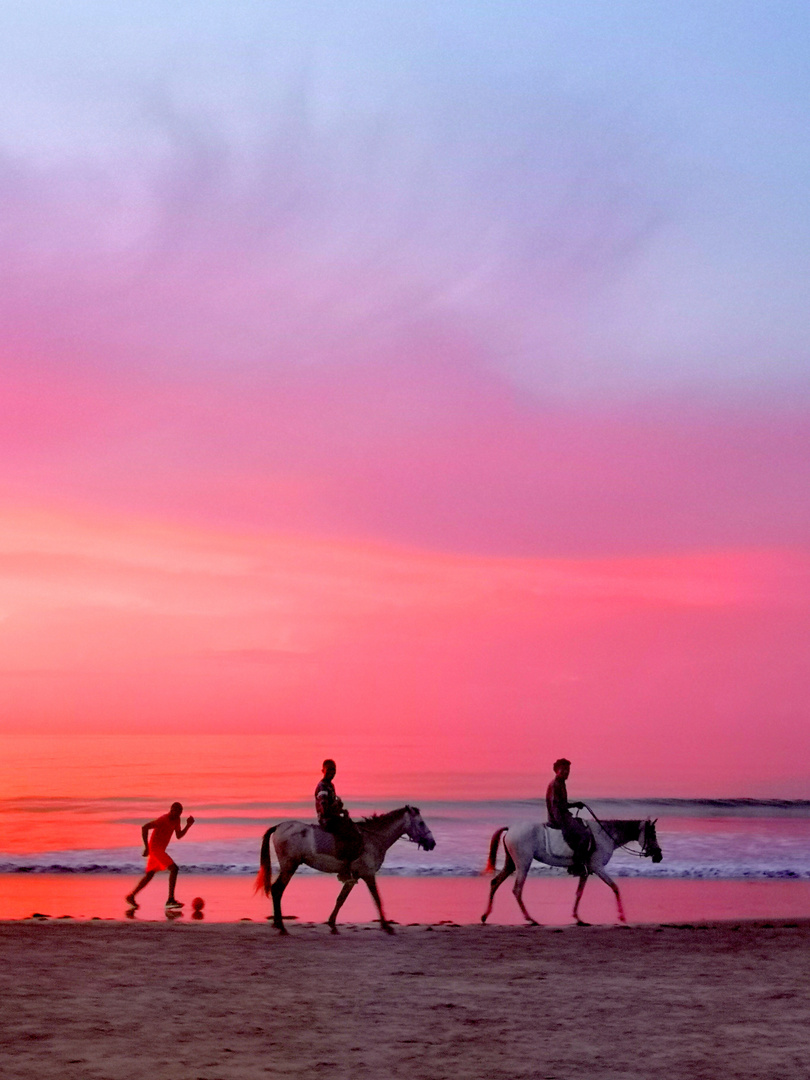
x=672, y=674
x=441, y=415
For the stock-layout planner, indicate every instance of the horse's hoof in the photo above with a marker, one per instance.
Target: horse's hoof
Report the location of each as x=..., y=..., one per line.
x=387, y=927
x=334, y=930
x=580, y=922
x=532, y=922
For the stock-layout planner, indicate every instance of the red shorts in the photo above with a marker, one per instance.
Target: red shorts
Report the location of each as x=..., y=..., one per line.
x=159, y=860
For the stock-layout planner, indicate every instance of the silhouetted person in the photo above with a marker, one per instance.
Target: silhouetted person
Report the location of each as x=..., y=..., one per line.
x=154, y=846
x=575, y=832
x=334, y=818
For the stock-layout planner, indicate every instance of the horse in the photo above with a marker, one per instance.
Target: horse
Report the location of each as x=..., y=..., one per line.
x=298, y=842
x=523, y=843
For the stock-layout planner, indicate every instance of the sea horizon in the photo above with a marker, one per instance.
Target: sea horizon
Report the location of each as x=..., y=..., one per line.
x=708, y=838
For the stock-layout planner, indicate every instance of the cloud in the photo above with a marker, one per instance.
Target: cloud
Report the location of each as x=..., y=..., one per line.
x=272, y=188
x=489, y=213
x=302, y=281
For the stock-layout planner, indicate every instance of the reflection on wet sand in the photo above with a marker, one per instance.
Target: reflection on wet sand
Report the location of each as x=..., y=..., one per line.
x=407, y=900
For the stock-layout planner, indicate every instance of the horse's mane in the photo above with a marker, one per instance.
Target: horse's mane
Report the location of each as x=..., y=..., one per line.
x=621, y=829
x=380, y=820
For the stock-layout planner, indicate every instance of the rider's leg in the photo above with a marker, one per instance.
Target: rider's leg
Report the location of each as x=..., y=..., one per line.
x=348, y=843
x=347, y=873
x=580, y=863
x=580, y=839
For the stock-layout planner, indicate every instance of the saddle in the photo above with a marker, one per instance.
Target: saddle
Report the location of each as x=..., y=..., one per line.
x=555, y=845
x=339, y=837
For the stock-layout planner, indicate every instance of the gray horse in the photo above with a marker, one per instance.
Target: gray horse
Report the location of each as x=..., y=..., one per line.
x=298, y=842
x=524, y=843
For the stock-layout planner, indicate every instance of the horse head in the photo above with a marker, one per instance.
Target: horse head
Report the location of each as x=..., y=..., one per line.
x=649, y=842
x=416, y=829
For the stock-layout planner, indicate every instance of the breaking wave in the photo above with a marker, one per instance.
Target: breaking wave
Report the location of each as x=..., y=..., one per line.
x=744, y=839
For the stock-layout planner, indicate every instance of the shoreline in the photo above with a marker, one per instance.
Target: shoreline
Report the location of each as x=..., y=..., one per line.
x=103, y=1001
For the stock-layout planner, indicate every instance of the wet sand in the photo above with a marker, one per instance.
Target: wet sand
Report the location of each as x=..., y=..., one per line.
x=201, y=1001
x=418, y=899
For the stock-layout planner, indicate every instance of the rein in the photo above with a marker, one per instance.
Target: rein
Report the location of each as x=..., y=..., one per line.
x=383, y=820
x=638, y=854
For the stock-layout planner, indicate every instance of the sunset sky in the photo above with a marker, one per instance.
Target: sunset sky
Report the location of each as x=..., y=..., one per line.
x=421, y=384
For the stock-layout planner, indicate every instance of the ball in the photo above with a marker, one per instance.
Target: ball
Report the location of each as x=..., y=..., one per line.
x=198, y=903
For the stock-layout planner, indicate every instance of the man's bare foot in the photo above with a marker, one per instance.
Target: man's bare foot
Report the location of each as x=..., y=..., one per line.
x=173, y=904
x=132, y=901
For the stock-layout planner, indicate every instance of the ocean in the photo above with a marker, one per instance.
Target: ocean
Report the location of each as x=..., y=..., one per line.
x=723, y=859
x=730, y=839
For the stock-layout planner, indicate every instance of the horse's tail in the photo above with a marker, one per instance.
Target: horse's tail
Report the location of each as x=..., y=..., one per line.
x=264, y=878
x=490, y=868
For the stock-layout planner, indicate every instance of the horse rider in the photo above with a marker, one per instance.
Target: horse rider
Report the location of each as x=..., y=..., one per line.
x=575, y=832
x=334, y=818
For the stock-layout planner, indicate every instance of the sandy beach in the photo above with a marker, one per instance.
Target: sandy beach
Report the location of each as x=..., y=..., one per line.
x=148, y=1001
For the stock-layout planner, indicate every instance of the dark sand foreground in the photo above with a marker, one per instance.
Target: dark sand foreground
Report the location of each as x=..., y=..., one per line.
x=103, y=1001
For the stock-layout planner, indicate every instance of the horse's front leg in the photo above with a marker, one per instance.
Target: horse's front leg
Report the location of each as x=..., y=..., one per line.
x=344, y=892
x=372, y=888
x=583, y=878
x=609, y=881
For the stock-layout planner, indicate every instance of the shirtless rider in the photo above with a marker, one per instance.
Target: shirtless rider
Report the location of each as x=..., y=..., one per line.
x=575, y=832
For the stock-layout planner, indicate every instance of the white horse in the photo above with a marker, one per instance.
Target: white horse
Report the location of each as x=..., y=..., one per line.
x=524, y=843
x=298, y=842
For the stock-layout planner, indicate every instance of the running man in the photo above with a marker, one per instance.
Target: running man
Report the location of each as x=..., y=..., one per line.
x=154, y=849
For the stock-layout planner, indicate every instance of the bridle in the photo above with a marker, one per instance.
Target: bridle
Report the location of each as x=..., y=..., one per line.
x=645, y=843
x=420, y=842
